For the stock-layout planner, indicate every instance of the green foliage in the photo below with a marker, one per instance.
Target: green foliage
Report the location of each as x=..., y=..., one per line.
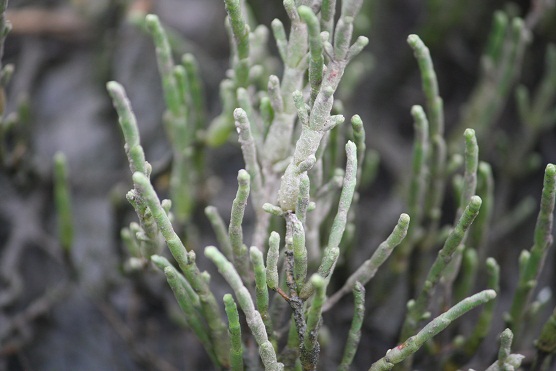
x=287, y=251
x=301, y=198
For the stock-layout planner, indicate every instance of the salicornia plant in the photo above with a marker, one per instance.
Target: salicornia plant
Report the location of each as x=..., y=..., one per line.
x=288, y=128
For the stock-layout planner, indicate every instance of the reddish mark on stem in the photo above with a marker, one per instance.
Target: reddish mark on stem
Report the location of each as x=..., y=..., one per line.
x=283, y=294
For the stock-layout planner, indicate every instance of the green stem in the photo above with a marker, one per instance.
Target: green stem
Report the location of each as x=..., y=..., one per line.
x=368, y=269
x=412, y=344
x=261, y=289
x=254, y=319
x=236, y=349
x=337, y=229
x=240, y=31
x=542, y=240
x=430, y=85
x=417, y=308
x=192, y=317
x=128, y=124
x=310, y=347
x=272, y=260
x=220, y=231
x=186, y=262
x=315, y=48
x=355, y=330
x=506, y=360
x=63, y=202
x=235, y=231
x=299, y=249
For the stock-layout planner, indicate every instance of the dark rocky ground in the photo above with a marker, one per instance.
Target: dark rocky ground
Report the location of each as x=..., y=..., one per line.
x=103, y=319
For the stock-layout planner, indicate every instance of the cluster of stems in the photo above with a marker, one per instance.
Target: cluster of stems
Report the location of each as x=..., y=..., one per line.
x=291, y=178
x=275, y=170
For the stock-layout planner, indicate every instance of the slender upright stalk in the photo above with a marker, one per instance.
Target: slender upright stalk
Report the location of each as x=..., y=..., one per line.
x=254, y=319
x=236, y=349
x=220, y=231
x=315, y=48
x=235, y=231
x=186, y=261
x=354, y=334
x=532, y=263
x=272, y=260
x=261, y=289
x=63, y=202
x=310, y=347
x=332, y=249
x=240, y=30
x=506, y=360
x=417, y=308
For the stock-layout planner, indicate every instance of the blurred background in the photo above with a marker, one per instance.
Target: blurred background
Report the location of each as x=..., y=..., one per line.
x=95, y=316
